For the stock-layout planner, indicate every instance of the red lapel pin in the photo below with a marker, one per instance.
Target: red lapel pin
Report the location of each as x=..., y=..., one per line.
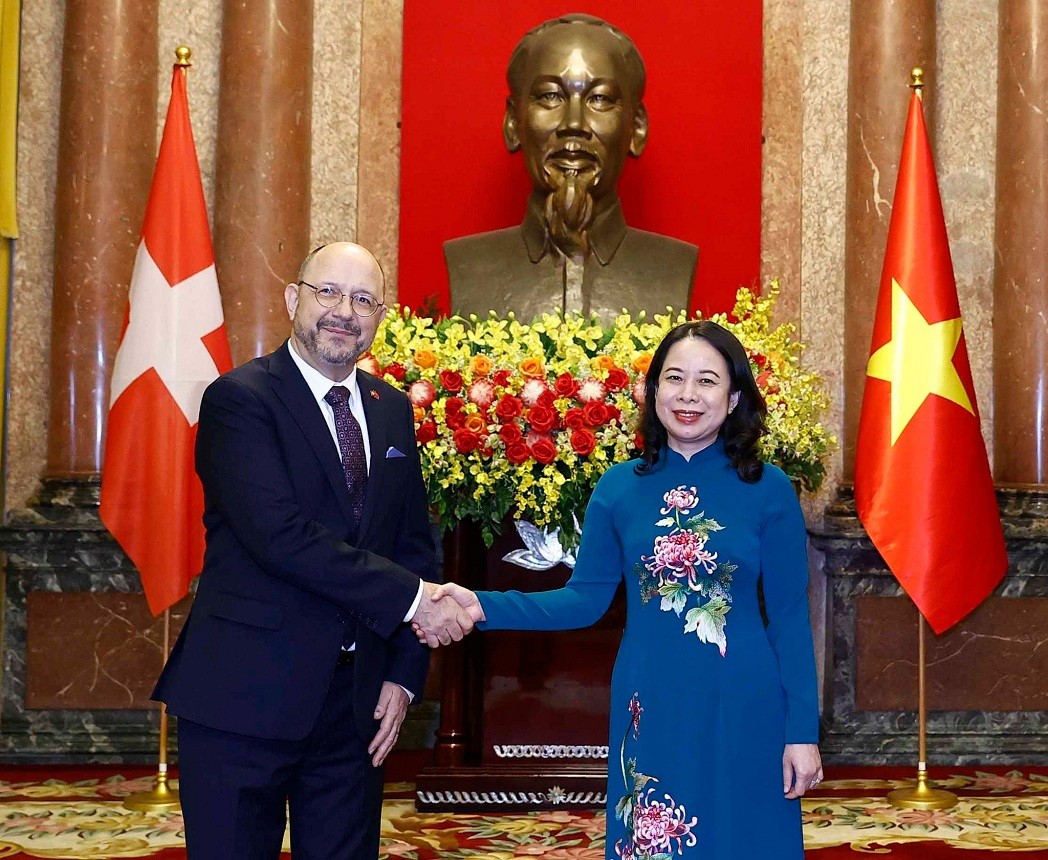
x=374, y=394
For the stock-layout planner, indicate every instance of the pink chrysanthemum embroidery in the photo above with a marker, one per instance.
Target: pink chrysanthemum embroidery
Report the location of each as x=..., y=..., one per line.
x=682, y=499
x=657, y=825
x=679, y=556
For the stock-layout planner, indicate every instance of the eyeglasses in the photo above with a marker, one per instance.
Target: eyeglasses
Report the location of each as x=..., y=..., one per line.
x=363, y=304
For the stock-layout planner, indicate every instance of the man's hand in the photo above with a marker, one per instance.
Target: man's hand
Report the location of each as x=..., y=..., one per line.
x=439, y=620
x=463, y=597
x=801, y=769
x=391, y=709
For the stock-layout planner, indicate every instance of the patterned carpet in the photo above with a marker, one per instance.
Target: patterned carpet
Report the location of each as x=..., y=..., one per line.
x=78, y=814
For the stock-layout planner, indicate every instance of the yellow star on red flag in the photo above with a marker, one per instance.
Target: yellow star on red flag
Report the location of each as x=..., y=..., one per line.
x=917, y=361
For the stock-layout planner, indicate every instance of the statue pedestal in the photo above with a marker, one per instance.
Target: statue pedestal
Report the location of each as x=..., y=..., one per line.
x=524, y=716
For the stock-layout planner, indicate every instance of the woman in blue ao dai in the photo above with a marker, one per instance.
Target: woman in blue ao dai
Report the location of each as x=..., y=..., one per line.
x=714, y=721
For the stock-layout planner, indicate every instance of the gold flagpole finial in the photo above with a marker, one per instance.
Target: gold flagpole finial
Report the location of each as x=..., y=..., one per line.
x=182, y=56
x=917, y=81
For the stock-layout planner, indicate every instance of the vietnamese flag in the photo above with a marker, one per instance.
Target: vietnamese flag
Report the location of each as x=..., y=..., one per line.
x=174, y=343
x=922, y=479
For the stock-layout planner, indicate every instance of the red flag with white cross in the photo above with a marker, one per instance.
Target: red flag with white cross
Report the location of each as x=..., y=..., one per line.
x=174, y=343
x=923, y=488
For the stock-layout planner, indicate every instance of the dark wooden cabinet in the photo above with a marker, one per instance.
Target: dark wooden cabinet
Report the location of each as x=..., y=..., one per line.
x=524, y=715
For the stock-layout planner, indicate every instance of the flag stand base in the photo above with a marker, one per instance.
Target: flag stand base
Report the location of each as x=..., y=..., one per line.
x=922, y=795
x=162, y=798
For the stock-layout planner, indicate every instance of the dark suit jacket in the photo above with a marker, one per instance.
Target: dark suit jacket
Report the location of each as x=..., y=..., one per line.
x=282, y=570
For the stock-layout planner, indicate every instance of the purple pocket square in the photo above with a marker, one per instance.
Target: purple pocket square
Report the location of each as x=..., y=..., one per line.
x=392, y=452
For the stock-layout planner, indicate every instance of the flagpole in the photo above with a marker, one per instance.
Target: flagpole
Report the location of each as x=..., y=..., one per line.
x=922, y=795
x=162, y=797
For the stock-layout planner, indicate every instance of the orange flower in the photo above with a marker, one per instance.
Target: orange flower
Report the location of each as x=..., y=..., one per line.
x=476, y=424
x=642, y=362
x=604, y=362
x=533, y=367
x=425, y=358
x=419, y=413
x=480, y=365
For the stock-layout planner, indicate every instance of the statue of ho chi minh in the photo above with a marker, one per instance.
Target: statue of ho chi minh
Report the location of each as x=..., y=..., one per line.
x=575, y=109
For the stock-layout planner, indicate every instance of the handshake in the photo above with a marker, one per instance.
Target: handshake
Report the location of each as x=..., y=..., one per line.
x=446, y=613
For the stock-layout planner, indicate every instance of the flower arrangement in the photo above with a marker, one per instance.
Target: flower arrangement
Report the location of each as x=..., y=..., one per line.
x=520, y=417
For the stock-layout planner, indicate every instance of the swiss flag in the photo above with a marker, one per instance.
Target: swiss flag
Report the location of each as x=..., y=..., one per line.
x=922, y=480
x=174, y=343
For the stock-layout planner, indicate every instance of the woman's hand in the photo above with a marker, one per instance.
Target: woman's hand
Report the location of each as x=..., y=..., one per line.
x=801, y=769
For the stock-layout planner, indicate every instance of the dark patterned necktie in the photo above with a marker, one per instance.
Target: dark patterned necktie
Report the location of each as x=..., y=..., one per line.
x=351, y=445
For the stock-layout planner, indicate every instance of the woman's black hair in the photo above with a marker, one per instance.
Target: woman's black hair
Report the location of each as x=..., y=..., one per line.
x=745, y=424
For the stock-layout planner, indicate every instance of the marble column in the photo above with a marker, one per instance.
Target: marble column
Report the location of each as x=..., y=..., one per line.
x=888, y=38
x=107, y=148
x=1020, y=307
x=262, y=189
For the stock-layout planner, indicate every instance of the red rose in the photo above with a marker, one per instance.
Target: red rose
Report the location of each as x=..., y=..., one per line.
x=427, y=431
x=542, y=418
x=574, y=418
x=422, y=393
x=465, y=441
x=547, y=398
x=453, y=405
x=509, y=407
x=451, y=380
x=583, y=442
x=517, y=453
x=617, y=379
x=510, y=434
x=544, y=451
x=566, y=385
x=638, y=441
x=501, y=377
x=455, y=420
x=614, y=413
x=396, y=371
x=595, y=414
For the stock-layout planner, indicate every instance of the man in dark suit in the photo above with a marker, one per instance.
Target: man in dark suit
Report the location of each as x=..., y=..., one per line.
x=294, y=670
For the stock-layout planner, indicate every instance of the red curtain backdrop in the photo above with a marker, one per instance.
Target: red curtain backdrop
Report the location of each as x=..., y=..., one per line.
x=699, y=178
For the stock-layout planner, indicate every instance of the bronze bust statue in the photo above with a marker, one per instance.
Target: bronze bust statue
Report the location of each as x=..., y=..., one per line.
x=575, y=108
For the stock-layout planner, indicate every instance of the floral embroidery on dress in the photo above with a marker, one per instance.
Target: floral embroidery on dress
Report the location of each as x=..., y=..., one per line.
x=654, y=828
x=683, y=567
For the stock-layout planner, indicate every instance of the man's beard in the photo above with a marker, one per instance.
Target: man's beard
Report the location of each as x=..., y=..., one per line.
x=309, y=337
x=570, y=208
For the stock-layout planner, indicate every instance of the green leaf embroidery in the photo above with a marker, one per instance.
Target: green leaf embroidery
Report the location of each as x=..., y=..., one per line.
x=707, y=622
x=674, y=597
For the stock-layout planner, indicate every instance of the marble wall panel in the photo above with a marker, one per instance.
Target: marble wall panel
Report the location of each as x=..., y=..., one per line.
x=198, y=25
x=30, y=327
x=378, y=170
x=994, y=660
x=783, y=141
x=965, y=142
x=93, y=650
x=824, y=166
x=336, y=120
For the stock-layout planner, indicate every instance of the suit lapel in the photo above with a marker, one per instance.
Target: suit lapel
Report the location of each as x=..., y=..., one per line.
x=376, y=415
x=292, y=390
